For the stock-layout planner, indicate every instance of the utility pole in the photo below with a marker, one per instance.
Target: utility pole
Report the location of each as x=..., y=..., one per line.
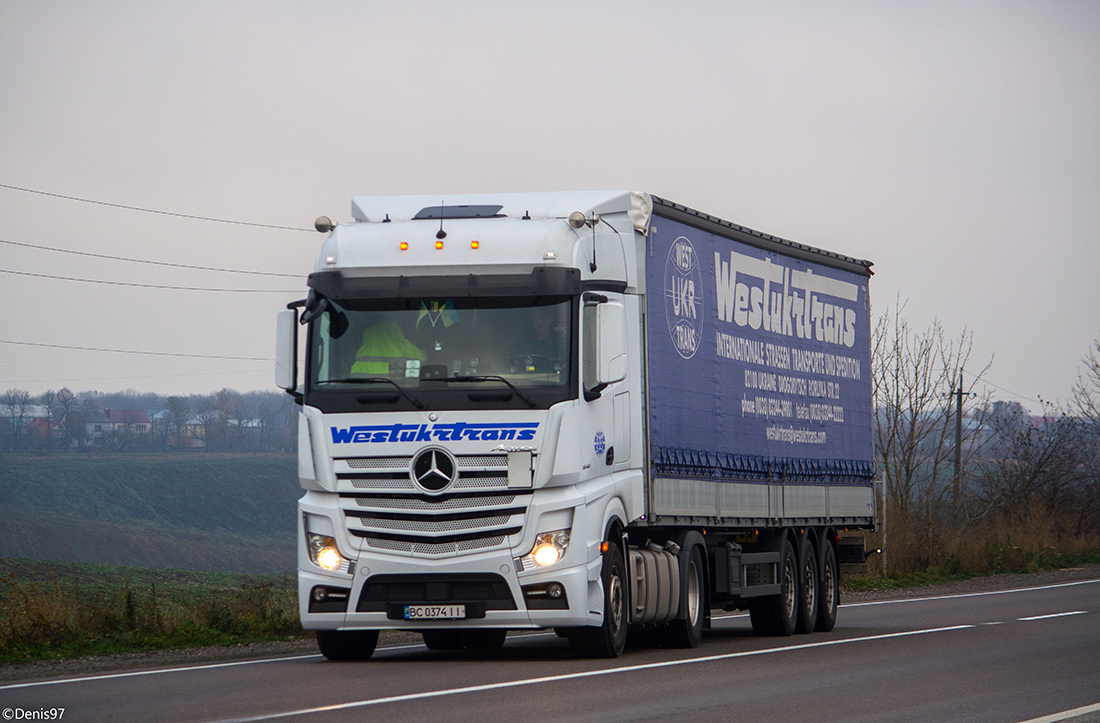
x=956, y=483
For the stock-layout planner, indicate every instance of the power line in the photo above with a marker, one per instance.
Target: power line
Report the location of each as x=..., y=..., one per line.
x=130, y=351
x=148, y=286
x=67, y=382
x=150, y=210
x=144, y=261
x=1007, y=391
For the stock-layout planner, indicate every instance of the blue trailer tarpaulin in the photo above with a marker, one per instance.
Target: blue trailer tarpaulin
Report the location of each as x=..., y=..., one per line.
x=759, y=363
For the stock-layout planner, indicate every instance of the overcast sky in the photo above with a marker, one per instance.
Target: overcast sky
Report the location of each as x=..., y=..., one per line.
x=954, y=144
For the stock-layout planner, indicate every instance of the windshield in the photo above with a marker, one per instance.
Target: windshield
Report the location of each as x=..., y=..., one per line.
x=447, y=353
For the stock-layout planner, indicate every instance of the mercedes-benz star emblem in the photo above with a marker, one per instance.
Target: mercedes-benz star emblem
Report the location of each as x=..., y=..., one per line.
x=433, y=469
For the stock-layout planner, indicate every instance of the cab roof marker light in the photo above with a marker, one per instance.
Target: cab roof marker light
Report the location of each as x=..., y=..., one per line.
x=474, y=244
x=404, y=245
x=439, y=244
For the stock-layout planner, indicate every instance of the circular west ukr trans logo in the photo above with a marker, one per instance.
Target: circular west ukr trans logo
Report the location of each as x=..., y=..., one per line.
x=684, y=297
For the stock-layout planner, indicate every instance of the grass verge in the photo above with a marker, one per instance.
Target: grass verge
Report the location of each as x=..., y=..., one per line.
x=69, y=610
x=938, y=576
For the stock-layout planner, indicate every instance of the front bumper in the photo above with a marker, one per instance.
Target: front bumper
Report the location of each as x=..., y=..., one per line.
x=493, y=593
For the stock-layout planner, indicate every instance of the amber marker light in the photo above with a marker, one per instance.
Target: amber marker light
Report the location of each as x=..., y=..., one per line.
x=474, y=244
x=439, y=244
x=404, y=245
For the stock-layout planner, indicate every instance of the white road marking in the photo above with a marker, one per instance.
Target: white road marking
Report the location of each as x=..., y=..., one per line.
x=1055, y=615
x=970, y=594
x=1066, y=714
x=158, y=671
x=586, y=674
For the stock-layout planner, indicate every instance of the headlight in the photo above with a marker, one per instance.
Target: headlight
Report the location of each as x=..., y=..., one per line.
x=549, y=548
x=323, y=552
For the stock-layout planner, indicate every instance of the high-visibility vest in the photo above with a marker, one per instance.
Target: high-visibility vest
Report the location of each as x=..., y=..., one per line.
x=383, y=343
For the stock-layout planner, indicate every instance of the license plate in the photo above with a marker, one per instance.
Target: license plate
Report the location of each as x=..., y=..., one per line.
x=435, y=612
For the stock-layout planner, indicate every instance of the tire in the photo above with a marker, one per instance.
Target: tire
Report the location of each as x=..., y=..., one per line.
x=609, y=639
x=687, y=632
x=775, y=615
x=830, y=590
x=347, y=644
x=808, y=597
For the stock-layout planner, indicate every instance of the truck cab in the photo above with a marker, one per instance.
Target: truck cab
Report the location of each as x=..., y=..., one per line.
x=471, y=375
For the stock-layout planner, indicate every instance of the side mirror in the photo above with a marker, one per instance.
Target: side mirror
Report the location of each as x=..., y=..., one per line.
x=286, y=350
x=604, y=340
x=611, y=344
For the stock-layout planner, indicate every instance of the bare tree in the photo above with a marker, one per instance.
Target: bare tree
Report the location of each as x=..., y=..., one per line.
x=205, y=412
x=1040, y=464
x=179, y=413
x=69, y=427
x=48, y=397
x=1086, y=404
x=17, y=402
x=1086, y=393
x=915, y=374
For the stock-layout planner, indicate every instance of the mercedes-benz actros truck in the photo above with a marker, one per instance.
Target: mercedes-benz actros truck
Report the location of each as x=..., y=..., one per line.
x=602, y=413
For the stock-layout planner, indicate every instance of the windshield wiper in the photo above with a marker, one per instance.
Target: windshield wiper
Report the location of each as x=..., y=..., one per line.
x=488, y=378
x=379, y=380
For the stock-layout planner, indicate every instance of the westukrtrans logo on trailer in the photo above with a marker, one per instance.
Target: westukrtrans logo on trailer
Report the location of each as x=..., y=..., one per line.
x=684, y=297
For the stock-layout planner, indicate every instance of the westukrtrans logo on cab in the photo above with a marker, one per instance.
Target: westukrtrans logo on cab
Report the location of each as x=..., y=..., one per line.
x=451, y=432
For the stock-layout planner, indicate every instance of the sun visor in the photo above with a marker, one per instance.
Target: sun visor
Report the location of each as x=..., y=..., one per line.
x=554, y=281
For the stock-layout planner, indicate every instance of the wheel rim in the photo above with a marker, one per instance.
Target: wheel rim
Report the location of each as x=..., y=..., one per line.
x=693, y=594
x=810, y=582
x=828, y=595
x=789, y=585
x=615, y=600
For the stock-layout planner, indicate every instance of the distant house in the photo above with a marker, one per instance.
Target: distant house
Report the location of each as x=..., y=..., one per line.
x=95, y=424
x=130, y=420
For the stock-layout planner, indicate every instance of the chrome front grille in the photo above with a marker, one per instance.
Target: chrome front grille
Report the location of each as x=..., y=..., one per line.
x=385, y=509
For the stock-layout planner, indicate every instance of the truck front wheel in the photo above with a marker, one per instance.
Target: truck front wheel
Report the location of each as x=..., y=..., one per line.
x=609, y=639
x=347, y=644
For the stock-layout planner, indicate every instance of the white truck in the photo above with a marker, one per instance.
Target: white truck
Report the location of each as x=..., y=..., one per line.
x=598, y=412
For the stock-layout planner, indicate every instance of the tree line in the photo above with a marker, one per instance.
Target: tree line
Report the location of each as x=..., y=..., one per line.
x=226, y=421
x=972, y=484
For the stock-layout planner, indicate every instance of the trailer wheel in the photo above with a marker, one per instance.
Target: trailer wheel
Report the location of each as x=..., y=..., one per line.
x=686, y=632
x=609, y=639
x=830, y=591
x=347, y=644
x=808, y=598
x=776, y=614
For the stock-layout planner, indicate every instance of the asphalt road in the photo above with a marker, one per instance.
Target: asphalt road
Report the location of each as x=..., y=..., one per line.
x=997, y=656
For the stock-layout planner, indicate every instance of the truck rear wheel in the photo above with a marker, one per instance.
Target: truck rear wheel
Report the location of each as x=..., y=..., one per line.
x=347, y=644
x=830, y=590
x=808, y=598
x=609, y=639
x=776, y=614
x=687, y=631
